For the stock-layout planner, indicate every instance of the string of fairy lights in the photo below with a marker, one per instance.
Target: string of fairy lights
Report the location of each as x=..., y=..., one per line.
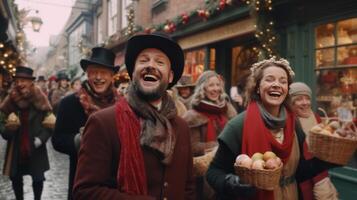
x=261, y=9
x=265, y=34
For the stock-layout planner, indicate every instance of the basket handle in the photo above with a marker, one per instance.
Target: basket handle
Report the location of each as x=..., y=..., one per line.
x=327, y=119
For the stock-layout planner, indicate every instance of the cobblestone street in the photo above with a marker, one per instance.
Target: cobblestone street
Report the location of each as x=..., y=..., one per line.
x=55, y=186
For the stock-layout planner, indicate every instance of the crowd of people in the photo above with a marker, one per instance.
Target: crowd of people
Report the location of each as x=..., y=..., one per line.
x=138, y=138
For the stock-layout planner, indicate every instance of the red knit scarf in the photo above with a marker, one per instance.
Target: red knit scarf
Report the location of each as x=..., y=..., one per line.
x=25, y=137
x=131, y=176
x=258, y=138
x=216, y=118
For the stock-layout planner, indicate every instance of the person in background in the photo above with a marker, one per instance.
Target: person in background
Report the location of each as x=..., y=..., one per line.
x=96, y=93
x=26, y=152
x=61, y=90
x=180, y=107
x=139, y=149
x=236, y=94
x=266, y=125
x=319, y=187
x=76, y=85
x=185, y=88
x=123, y=81
x=210, y=111
x=41, y=83
x=51, y=86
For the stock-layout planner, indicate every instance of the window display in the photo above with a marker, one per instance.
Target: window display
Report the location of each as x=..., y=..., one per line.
x=336, y=66
x=194, y=63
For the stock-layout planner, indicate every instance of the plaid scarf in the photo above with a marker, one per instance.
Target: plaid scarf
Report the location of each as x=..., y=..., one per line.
x=91, y=101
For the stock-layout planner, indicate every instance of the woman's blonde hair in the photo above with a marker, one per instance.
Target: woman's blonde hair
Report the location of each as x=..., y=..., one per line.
x=199, y=93
x=256, y=76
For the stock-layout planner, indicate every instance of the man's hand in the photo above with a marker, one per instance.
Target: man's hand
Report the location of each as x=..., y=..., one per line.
x=37, y=142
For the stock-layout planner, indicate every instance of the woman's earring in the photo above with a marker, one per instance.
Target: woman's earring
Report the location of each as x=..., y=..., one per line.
x=258, y=91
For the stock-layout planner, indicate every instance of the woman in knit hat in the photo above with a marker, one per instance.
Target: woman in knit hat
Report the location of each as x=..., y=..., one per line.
x=210, y=110
x=319, y=187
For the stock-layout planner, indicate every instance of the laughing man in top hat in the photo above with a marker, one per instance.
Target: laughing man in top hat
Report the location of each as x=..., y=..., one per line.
x=26, y=152
x=139, y=149
x=96, y=93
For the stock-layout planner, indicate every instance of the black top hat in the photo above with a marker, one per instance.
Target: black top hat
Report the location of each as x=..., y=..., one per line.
x=24, y=72
x=41, y=78
x=160, y=41
x=100, y=56
x=62, y=76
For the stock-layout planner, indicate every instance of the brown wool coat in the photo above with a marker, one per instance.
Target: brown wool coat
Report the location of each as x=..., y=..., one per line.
x=98, y=163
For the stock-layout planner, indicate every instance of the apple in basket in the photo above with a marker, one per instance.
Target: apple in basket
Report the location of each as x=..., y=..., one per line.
x=244, y=160
x=258, y=164
x=257, y=156
x=268, y=155
x=272, y=163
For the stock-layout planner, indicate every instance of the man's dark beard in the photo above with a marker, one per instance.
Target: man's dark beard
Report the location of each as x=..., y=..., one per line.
x=152, y=95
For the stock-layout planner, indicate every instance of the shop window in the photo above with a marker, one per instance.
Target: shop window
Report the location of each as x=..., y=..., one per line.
x=336, y=66
x=195, y=62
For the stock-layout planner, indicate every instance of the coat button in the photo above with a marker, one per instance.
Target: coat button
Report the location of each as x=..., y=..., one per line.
x=166, y=184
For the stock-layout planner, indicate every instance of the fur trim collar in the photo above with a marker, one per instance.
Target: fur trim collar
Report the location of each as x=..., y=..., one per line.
x=194, y=119
x=15, y=100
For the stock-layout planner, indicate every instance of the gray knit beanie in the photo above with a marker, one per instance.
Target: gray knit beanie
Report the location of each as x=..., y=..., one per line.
x=299, y=88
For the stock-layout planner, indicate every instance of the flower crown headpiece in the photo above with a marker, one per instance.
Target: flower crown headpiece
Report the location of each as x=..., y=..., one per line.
x=281, y=61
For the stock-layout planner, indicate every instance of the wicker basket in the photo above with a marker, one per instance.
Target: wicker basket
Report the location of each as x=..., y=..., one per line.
x=12, y=126
x=48, y=125
x=263, y=179
x=332, y=149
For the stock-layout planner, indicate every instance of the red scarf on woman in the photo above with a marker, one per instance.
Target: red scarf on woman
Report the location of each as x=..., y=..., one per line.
x=258, y=138
x=216, y=118
x=131, y=176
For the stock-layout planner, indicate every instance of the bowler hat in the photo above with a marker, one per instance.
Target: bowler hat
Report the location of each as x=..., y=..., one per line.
x=185, y=81
x=24, y=72
x=163, y=42
x=100, y=56
x=62, y=76
x=41, y=78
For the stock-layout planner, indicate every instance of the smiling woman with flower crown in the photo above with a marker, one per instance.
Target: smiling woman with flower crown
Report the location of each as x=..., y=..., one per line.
x=266, y=125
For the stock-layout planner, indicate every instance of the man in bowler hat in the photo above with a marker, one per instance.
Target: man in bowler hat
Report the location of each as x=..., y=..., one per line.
x=26, y=152
x=62, y=88
x=139, y=148
x=42, y=84
x=96, y=93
